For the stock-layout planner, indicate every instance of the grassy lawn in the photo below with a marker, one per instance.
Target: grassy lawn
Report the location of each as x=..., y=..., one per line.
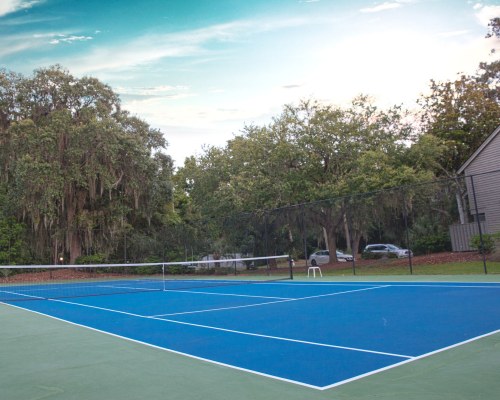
x=452, y=268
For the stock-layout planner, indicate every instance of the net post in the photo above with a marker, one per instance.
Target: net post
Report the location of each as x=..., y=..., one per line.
x=290, y=266
x=478, y=224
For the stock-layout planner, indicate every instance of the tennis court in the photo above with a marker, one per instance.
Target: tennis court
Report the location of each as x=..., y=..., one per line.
x=315, y=334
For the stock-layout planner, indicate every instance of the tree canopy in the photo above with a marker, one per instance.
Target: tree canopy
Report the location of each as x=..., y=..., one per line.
x=78, y=168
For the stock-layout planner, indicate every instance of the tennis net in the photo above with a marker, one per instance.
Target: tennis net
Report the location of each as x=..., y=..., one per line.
x=42, y=282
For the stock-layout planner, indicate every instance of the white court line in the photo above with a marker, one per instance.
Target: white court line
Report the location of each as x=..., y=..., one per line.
x=269, y=302
x=24, y=295
x=235, y=331
x=452, y=286
x=355, y=378
x=227, y=294
x=493, y=285
x=33, y=289
x=220, y=309
x=138, y=289
x=64, y=286
x=287, y=339
x=321, y=388
x=169, y=350
x=303, y=384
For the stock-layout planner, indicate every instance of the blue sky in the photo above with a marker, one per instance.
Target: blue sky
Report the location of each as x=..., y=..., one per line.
x=200, y=70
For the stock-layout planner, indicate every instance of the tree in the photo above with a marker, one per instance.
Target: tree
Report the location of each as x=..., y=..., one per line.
x=78, y=166
x=461, y=114
x=11, y=241
x=464, y=112
x=489, y=72
x=12, y=235
x=309, y=152
x=493, y=30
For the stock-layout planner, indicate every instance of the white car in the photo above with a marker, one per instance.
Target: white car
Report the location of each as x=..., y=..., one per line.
x=323, y=257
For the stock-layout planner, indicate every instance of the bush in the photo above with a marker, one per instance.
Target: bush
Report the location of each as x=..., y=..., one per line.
x=368, y=255
x=91, y=259
x=433, y=243
x=5, y=272
x=147, y=270
x=488, y=242
x=176, y=269
x=12, y=244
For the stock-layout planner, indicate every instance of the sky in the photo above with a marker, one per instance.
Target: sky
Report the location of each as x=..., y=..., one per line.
x=201, y=70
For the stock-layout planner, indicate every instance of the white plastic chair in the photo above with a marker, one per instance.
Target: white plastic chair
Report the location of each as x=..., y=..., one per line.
x=313, y=270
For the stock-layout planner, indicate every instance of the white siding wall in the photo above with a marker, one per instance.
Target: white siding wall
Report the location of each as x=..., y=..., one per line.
x=487, y=186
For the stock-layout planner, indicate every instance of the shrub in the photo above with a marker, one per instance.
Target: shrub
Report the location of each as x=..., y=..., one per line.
x=12, y=244
x=5, y=272
x=368, y=255
x=91, y=259
x=488, y=244
x=147, y=270
x=175, y=269
x=433, y=243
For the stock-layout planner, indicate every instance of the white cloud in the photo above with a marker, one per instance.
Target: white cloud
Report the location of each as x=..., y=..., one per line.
x=381, y=7
x=151, y=48
x=155, y=90
x=394, y=67
x=12, y=44
x=485, y=13
x=145, y=50
x=10, y=6
x=70, y=39
x=454, y=33
x=139, y=96
x=18, y=43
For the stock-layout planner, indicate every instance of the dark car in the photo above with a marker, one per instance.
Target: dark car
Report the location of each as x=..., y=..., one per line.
x=386, y=250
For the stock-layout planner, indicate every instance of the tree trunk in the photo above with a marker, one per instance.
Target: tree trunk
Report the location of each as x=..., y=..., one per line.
x=355, y=244
x=347, y=234
x=75, y=248
x=460, y=206
x=325, y=238
x=332, y=246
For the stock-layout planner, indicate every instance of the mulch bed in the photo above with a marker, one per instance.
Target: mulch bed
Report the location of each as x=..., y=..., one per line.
x=53, y=274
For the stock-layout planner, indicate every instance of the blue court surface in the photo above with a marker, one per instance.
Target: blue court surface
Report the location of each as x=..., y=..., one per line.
x=315, y=334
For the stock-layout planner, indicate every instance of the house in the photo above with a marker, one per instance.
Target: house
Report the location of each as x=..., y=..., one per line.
x=482, y=178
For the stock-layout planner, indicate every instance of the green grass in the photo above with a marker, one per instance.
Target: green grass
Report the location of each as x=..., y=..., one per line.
x=454, y=268
x=465, y=268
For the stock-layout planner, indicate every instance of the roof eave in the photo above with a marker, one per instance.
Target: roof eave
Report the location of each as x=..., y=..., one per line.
x=479, y=150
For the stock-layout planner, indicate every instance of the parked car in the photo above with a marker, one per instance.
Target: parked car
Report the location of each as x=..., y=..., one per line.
x=388, y=250
x=323, y=257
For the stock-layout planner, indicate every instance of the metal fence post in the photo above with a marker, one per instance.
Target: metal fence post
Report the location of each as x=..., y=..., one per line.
x=349, y=226
x=405, y=217
x=304, y=233
x=476, y=209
